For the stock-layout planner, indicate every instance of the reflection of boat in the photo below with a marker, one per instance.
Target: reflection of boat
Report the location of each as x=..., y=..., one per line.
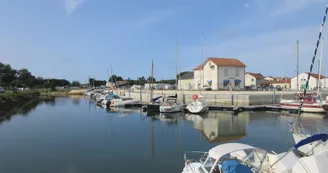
x=242, y=158
x=170, y=118
x=198, y=105
x=220, y=126
x=123, y=111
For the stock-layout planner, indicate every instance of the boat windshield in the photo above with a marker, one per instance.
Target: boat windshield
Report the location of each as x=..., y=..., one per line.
x=207, y=165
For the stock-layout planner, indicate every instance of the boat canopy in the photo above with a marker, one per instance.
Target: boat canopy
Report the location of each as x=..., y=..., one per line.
x=155, y=99
x=224, y=149
x=317, y=137
x=317, y=163
x=234, y=166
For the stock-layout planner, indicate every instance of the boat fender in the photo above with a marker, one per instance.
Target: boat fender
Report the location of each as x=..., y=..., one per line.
x=195, y=97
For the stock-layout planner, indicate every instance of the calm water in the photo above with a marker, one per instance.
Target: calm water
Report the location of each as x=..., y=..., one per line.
x=73, y=135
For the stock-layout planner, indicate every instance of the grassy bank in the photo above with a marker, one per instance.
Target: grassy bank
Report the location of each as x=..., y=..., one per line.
x=62, y=93
x=9, y=100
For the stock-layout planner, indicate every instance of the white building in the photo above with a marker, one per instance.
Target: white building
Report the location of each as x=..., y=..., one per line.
x=313, y=82
x=324, y=83
x=186, y=81
x=253, y=79
x=220, y=73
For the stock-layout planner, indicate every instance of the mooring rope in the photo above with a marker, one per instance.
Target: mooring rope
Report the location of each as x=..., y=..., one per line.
x=312, y=63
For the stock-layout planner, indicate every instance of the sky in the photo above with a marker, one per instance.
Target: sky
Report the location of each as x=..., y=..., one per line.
x=74, y=39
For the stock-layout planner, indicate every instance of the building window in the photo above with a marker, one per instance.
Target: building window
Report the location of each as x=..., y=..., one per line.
x=237, y=72
x=252, y=79
x=225, y=72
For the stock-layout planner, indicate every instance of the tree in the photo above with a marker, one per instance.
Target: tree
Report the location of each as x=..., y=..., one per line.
x=150, y=79
x=182, y=73
x=7, y=74
x=75, y=83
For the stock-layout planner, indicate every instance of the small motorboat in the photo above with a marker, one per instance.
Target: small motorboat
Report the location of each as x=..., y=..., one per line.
x=171, y=105
x=243, y=158
x=198, y=105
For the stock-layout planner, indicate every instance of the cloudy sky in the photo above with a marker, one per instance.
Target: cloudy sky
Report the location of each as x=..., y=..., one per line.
x=76, y=38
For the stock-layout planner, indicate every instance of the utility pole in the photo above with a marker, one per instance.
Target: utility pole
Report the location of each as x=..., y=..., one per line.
x=297, y=65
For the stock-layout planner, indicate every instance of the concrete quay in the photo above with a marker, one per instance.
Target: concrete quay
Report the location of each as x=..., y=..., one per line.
x=222, y=98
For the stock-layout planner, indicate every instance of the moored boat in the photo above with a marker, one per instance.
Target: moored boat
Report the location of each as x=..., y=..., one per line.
x=171, y=105
x=121, y=102
x=243, y=158
x=312, y=103
x=198, y=105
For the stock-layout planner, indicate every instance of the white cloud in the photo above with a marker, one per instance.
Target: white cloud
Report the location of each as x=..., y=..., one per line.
x=72, y=5
x=271, y=53
x=156, y=16
x=288, y=6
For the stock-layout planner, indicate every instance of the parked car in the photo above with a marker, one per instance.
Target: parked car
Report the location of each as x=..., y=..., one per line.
x=206, y=88
x=2, y=90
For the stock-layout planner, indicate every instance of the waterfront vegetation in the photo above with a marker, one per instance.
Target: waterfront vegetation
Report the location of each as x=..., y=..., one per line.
x=11, y=78
x=9, y=100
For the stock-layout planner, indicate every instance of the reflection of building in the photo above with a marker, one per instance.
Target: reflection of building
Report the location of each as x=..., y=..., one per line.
x=221, y=126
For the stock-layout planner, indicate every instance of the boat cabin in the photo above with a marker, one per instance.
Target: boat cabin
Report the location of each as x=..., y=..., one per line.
x=225, y=157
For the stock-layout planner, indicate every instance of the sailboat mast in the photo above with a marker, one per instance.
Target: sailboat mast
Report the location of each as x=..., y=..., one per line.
x=313, y=60
x=152, y=79
x=320, y=62
x=297, y=64
x=176, y=63
x=202, y=60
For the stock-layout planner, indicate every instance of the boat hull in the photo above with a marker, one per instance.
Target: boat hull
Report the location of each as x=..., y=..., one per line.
x=120, y=103
x=170, y=109
x=194, y=109
x=313, y=108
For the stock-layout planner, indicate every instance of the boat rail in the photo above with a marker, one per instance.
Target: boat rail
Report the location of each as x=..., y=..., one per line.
x=201, y=159
x=309, y=130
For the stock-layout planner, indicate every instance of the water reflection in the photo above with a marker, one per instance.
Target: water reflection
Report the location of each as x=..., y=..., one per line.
x=220, y=126
x=26, y=109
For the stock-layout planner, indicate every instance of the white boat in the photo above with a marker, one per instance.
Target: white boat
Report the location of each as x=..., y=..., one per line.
x=121, y=102
x=243, y=158
x=198, y=105
x=171, y=105
x=299, y=133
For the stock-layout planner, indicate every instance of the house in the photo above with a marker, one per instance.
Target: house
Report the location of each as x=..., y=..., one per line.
x=302, y=78
x=186, y=81
x=324, y=83
x=278, y=82
x=253, y=79
x=218, y=73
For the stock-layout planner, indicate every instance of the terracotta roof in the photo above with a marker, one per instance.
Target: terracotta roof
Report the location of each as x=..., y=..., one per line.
x=222, y=62
x=317, y=75
x=276, y=81
x=256, y=75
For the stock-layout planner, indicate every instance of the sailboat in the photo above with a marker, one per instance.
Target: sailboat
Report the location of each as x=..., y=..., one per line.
x=171, y=104
x=312, y=101
x=298, y=132
x=199, y=104
x=154, y=104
